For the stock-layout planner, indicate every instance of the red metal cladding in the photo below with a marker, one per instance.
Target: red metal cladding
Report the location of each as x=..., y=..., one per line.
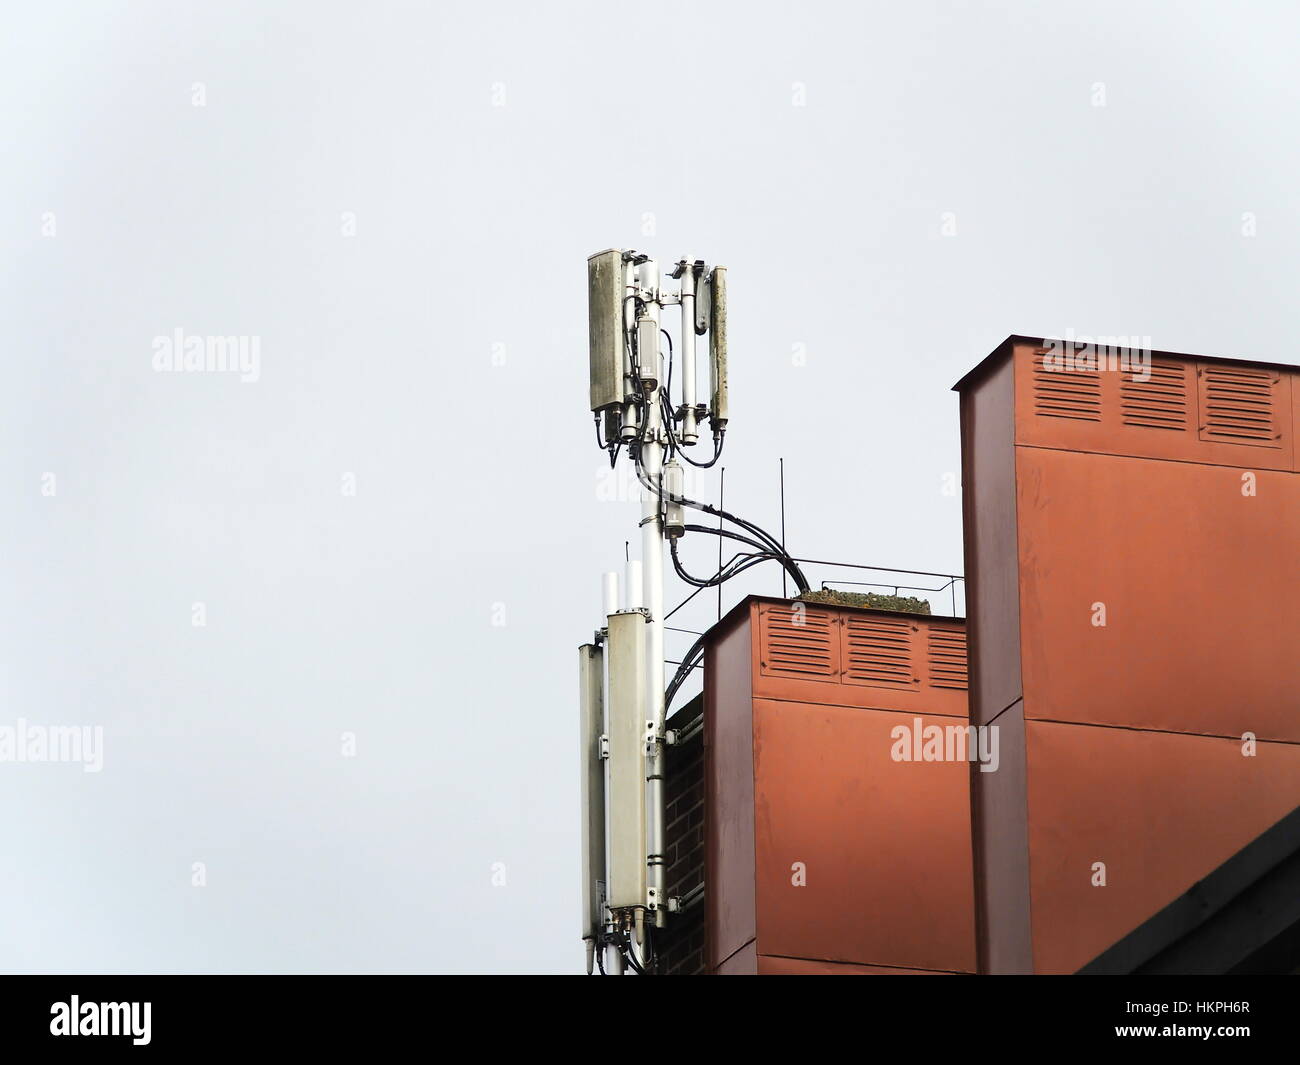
x=1131, y=551
x=1122, y=821
x=858, y=856
x=1197, y=584
x=729, y=790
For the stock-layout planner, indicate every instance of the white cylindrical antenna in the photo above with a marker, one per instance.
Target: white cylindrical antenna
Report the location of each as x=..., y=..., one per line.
x=632, y=589
x=610, y=586
x=690, y=434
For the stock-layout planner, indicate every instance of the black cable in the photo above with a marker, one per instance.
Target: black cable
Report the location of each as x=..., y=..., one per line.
x=629, y=338
x=676, y=448
x=630, y=954
x=674, y=444
x=693, y=654
x=728, y=571
x=771, y=541
x=768, y=552
x=696, y=650
x=728, y=534
x=612, y=446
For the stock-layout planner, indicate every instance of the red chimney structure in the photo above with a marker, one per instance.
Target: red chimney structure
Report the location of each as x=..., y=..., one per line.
x=1132, y=537
x=1108, y=787
x=832, y=843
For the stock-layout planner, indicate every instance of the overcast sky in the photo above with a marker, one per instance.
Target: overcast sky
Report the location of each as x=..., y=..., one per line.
x=394, y=529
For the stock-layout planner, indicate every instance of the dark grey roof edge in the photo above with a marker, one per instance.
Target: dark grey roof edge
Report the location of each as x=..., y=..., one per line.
x=1232, y=894
x=1005, y=346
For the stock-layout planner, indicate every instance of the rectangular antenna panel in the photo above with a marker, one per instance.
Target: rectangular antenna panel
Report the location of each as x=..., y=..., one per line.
x=627, y=725
x=591, y=688
x=605, y=324
x=718, y=346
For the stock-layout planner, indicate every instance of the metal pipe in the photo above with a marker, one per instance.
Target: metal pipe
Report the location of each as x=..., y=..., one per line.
x=690, y=434
x=652, y=554
x=631, y=426
x=783, y=588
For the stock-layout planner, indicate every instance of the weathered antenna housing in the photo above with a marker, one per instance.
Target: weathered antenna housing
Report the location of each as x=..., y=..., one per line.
x=718, y=347
x=608, y=341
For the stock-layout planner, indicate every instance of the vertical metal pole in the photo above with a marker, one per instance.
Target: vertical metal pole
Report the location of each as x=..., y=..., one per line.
x=690, y=434
x=722, y=503
x=783, y=590
x=629, y=419
x=652, y=560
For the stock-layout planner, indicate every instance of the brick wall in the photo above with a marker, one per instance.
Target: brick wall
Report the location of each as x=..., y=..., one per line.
x=681, y=943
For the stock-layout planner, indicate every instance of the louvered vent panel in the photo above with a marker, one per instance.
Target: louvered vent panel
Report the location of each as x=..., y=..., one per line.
x=948, y=658
x=878, y=652
x=1239, y=406
x=1160, y=402
x=798, y=643
x=1072, y=394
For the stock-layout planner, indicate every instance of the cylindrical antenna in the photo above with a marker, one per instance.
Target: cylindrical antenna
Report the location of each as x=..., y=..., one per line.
x=632, y=590
x=611, y=594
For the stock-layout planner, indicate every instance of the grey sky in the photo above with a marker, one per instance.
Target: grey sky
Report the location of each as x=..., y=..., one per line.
x=438, y=355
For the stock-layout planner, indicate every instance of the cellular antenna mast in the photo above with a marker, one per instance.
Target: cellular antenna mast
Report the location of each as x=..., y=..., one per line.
x=624, y=699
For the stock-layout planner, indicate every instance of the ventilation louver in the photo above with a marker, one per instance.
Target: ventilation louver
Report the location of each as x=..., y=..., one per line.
x=1066, y=393
x=878, y=652
x=798, y=642
x=947, y=654
x=1160, y=402
x=1239, y=406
